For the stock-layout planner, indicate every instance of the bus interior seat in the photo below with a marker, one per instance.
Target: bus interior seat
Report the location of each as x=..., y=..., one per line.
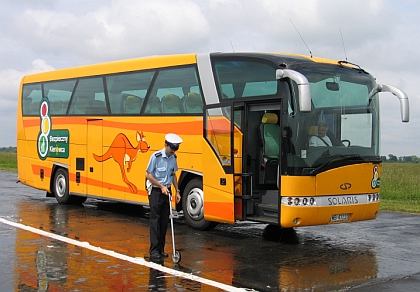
x=171, y=104
x=154, y=106
x=193, y=103
x=313, y=130
x=132, y=104
x=270, y=148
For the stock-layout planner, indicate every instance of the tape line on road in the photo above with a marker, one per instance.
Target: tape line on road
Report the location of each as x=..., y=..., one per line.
x=137, y=260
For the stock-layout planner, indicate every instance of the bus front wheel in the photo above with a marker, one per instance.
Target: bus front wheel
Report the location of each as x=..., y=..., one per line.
x=193, y=206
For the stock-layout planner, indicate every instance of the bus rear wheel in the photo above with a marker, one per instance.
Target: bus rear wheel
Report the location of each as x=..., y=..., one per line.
x=61, y=189
x=193, y=206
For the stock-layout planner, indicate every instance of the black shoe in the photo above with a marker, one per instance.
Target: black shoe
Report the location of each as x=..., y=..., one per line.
x=155, y=256
x=165, y=255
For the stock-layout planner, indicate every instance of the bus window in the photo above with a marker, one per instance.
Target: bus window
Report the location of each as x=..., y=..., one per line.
x=89, y=97
x=240, y=78
x=174, y=87
x=58, y=94
x=121, y=86
x=31, y=97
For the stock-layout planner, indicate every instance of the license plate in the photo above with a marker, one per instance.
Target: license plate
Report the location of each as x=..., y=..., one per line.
x=340, y=217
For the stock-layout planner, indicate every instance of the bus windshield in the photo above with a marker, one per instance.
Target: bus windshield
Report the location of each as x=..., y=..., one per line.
x=342, y=126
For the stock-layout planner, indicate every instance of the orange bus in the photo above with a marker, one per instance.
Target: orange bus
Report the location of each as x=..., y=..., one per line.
x=246, y=120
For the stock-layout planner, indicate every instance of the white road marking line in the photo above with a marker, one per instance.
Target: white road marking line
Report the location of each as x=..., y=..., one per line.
x=138, y=260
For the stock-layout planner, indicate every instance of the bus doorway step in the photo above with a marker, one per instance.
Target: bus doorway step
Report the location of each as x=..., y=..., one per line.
x=263, y=219
x=267, y=210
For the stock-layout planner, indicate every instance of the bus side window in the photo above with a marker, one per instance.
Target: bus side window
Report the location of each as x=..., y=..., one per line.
x=35, y=108
x=26, y=105
x=121, y=86
x=97, y=107
x=89, y=90
x=31, y=97
x=80, y=106
x=58, y=94
x=171, y=83
x=56, y=107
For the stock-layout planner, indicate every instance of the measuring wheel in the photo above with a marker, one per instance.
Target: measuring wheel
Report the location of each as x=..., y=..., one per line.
x=176, y=257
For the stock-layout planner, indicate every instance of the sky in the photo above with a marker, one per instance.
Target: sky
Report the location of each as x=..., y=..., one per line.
x=381, y=36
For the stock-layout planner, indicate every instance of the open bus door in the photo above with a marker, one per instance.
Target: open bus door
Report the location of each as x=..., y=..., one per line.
x=218, y=163
x=260, y=175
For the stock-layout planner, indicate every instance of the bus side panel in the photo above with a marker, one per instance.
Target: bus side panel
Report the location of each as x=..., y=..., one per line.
x=114, y=186
x=25, y=174
x=218, y=189
x=29, y=163
x=77, y=128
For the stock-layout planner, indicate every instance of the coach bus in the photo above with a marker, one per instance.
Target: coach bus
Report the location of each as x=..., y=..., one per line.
x=246, y=120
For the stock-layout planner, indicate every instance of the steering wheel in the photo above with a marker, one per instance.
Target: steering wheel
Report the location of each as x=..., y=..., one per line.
x=346, y=141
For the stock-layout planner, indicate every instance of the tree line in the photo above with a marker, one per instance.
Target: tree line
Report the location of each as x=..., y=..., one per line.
x=8, y=149
x=404, y=159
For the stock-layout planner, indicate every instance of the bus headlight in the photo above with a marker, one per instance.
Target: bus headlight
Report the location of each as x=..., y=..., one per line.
x=298, y=201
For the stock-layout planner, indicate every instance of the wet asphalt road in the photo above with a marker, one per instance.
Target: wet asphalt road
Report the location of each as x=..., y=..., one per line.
x=380, y=255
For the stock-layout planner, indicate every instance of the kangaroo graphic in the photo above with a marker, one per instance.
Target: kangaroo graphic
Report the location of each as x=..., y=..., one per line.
x=123, y=151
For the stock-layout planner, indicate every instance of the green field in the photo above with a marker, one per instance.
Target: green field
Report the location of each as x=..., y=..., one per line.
x=400, y=183
x=8, y=161
x=400, y=187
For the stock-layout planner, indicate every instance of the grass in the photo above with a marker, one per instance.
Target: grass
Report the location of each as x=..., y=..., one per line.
x=400, y=184
x=8, y=161
x=400, y=187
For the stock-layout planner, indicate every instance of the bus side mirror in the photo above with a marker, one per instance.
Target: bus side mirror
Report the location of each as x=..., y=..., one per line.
x=402, y=96
x=304, y=89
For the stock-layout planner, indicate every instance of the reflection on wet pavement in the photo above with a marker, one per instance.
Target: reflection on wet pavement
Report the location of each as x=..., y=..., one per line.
x=323, y=258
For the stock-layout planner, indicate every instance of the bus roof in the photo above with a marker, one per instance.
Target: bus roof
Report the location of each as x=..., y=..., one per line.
x=113, y=67
x=152, y=62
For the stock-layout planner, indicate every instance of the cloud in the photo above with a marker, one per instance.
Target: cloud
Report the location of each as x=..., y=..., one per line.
x=124, y=28
x=9, y=84
x=380, y=35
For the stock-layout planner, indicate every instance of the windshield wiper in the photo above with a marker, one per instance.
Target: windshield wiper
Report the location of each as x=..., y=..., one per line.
x=336, y=158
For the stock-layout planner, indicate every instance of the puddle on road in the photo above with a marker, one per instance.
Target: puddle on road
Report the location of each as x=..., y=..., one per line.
x=315, y=259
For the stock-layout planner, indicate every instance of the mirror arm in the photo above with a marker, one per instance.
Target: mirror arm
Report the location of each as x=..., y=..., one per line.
x=304, y=89
x=401, y=95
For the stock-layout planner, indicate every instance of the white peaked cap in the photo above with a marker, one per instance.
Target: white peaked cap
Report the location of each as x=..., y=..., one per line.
x=173, y=138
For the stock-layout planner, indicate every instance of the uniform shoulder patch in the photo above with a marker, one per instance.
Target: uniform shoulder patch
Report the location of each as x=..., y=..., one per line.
x=158, y=154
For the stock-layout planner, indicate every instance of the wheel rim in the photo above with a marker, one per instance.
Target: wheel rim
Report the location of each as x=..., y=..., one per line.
x=60, y=186
x=195, y=204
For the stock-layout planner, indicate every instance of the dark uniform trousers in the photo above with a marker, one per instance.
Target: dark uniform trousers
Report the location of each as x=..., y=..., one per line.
x=159, y=220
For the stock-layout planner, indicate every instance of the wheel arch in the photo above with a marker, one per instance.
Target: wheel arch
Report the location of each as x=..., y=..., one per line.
x=186, y=177
x=55, y=167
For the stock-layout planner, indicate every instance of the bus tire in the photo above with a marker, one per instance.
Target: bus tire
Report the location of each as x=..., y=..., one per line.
x=193, y=206
x=61, y=186
x=61, y=189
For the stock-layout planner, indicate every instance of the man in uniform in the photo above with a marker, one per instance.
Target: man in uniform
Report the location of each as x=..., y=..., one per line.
x=160, y=173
